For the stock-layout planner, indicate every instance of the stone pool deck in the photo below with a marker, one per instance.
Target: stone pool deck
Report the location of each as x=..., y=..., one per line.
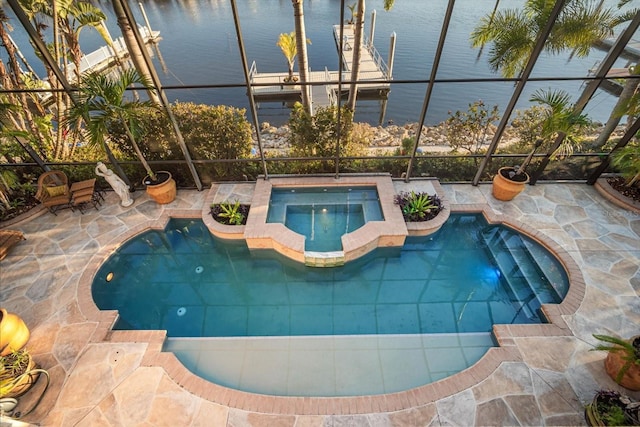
x=540, y=375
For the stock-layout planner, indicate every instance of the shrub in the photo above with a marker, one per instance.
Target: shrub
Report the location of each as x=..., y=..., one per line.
x=469, y=129
x=317, y=135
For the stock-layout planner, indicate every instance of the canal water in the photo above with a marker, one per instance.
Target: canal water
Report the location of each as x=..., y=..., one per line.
x=199, y=48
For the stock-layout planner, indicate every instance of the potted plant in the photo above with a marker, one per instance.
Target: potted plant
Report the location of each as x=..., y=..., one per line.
x=17, y=373
x=510, y=181
x=352, y=9
x=101, y=103
x=559, y=118
x=623, y=359
x=610, y=408
x=14, y=333
x=287, y=43
x=627, y=161
x=230, y=213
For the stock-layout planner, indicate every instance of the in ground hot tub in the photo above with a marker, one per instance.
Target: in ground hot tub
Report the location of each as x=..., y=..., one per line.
x=324, y=214
x=323, y=221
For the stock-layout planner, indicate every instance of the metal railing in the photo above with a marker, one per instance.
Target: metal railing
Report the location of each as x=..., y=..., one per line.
x=253, y=70
x=377, y=58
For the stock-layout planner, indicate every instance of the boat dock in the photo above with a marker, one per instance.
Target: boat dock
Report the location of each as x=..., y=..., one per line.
x=631, y=50
x=100, y=59
x=374, y=75
x=610, y=84
x=105, y=56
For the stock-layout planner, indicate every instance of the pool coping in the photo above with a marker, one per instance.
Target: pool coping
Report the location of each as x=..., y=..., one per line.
x=505, y=336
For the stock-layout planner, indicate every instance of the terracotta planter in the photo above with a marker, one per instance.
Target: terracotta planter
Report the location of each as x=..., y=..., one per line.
x=14, y=333
x=614, y=362
x=607, y=403
x=164, y=191
x=506, y=189
x=19, y=385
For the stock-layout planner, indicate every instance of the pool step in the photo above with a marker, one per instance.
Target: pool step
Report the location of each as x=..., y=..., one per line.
x=555, y=276
x=324, y=259
x=526, y=279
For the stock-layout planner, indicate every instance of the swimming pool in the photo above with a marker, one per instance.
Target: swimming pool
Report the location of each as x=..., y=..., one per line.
x=193, y=285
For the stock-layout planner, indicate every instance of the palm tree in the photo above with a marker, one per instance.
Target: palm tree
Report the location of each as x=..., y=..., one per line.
x=70, y=17
x=8, y=178
x=135, y=50
x=357, y=53
x=513, y=32
x=630, y=88
x=558, y=117
x=301, y=46
x=287, y=43
x=102, y=103
x=357, y=48
x=11, y=77
x=73, y=17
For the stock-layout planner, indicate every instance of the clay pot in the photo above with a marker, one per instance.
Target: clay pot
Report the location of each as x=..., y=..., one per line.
x=506, y=189
x=164, y=191
x=23, y=380
x=14, y=333
x=615, y=361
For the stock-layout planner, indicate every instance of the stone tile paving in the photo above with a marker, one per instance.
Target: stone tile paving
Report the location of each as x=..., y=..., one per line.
x=106, y=383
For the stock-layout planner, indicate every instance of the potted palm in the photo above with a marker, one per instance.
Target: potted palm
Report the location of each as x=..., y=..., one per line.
x=623, y=359
x=287, y=43
x=101, y=104
x=627, y=162
x=560, y=118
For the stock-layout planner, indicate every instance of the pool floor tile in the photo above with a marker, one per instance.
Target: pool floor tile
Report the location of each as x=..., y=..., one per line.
x=327, y=365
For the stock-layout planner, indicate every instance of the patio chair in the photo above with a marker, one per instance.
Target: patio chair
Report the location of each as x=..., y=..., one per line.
x=84, y=193
x=53, y=190
x=8, y=238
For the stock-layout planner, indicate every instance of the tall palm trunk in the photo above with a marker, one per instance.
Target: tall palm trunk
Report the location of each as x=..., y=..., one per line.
x=357, y=53
x=134, y=49
x=301, y=43
x=628, y=90
x=136, y=148
x=59, y=150
x=15, y=81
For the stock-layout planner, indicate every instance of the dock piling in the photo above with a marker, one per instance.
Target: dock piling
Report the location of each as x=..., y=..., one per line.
x=372, y=31
x=392, y=54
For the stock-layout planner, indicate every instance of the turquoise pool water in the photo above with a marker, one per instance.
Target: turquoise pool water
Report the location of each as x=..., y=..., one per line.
x=450, y=287
x=324, y=214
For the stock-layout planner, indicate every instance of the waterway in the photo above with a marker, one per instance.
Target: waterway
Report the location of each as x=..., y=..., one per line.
x=199, y=47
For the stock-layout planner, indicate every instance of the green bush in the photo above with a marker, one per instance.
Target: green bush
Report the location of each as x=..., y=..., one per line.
x=317, y=136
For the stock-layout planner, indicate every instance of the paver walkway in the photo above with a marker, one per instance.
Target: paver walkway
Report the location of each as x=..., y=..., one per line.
x=116, y=382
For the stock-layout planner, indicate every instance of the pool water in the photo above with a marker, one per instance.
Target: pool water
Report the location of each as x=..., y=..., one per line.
x=451, y=286
x=324, y=214
x=324, y=224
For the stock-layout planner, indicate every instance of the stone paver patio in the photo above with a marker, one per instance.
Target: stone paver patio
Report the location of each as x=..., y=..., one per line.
x=541, y=374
